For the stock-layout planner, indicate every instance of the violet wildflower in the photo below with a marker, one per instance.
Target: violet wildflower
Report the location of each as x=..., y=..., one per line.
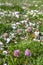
x=29, y=29
x=17, y=53
x=5, y=35
x=28, y=52
x=19, y=30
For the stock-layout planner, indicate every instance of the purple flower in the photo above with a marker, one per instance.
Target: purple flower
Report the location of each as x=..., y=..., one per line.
x=29, y=29
x=5, y=35
x=17, y=53
x=28, y=52
x=19, y=31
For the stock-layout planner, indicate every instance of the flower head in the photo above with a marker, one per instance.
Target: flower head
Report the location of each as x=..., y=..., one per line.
x=28, y=52
x=17, y=53
x=29, y=29
x=19, y=30
x=5, y=52
x=5, y=35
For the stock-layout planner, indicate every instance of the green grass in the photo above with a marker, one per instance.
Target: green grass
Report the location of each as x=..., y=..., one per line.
x=5, y=26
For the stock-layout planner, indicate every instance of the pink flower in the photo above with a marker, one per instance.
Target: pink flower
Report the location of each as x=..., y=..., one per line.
x=28, y=52
x=17, y=53
x=5, y=35
x=29, y=29
x=19, y=30
x=17, y=23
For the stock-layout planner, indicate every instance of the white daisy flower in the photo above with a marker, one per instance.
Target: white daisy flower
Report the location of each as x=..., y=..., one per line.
x=5, y=52
x=14, y=26
x=17, y=14
x=8, y=40
x=5, y=64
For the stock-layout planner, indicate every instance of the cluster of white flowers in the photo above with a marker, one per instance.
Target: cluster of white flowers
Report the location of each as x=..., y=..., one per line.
x=34, y=13
x=31, y=24
x=2, y=14
x=6, y=3
x=23, y=21
x=5, y=13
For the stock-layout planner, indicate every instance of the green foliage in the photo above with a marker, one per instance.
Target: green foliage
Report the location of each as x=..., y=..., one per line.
x=35, y=47
x=5, y=28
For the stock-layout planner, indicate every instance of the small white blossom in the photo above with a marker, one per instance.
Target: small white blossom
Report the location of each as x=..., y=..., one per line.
x=31, y=24
x=14, y=26
x=17, y=14
x=18, y=23
x=36, y=5
x=2, y=13
x=5, y=64
x=32, y=11
x=12, y=35
x=1, y=43
x=23, y=21
x=36, y=40
x=1, y=48
x=15, y=42
x=5, y=52
x=8, y=40
x=36, y=33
